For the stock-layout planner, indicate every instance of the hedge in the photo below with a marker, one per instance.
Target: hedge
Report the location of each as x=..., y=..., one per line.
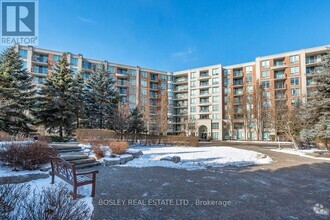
x=85, y=135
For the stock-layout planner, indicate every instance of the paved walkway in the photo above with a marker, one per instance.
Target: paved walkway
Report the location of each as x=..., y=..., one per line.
x=288, y=188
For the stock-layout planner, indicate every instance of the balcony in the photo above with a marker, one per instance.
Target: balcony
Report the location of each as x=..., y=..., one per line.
x=154, y=78
x=238, y=74
x=279, y=64
x=204, y=74
x=42, y=59
x=204, y=102
x=40, y=70
x=204, y=84
x=280, y=87
x=121, y=83
x=280, y=97
x=181, y=89
x=202, y=93
x=181, y=105
x=178, y=97
x=181, y=80
x=279, y=76
x=204, y=110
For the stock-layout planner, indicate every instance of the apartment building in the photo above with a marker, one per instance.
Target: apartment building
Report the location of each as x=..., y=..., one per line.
x=212, y=102
x=136, y=85
x=217, y=101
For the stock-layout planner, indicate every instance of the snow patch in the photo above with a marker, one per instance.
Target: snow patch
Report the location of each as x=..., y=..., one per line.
x=302, y=153
x=193, y=158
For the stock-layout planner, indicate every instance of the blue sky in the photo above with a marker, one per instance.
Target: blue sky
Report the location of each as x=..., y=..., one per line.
x=174, y=35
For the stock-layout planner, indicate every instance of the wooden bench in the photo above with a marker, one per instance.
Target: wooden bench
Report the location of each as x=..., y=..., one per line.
x=67, y=172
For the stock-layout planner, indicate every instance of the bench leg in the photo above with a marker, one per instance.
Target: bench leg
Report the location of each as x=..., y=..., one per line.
x=53, y=178
x=93, y=189
x=75, y=190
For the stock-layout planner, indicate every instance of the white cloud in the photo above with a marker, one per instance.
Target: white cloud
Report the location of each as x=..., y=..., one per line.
x=86, y=20
x=185, y=55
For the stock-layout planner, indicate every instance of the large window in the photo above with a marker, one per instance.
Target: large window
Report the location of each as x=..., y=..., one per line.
x=215, y=71
x=294, y=70
x=215, y=107
x=193, y=100
x=295, y=92
x=248, y=69
x=57, y=58
x=144, y=83
x=249, y=79
x=294, y=59
x=215, y=99
x=74, y=61
x=249, y=88
x=215, y=125
x=294, y=81
x=215, y=90
x=265, y=74
x=215, y=135
x=215, y=81
x=193, y=92
x=132, y=72
x=265, y=84
x=193, y=109
x=143, y=74
x=193, y=75
x=216, y=116
x=265, y=63
x=111, y=69
x=22, y=53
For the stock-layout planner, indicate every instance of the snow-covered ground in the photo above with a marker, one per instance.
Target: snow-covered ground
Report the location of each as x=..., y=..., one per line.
x=7, y=171
x=193, y=158
x=302, y=153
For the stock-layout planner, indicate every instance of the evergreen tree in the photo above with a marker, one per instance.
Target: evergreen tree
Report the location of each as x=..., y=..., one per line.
x=79, y=99
x=136, y=124
x=316, y=112
x=55, y=105
x=17, y=94
x=101, y=99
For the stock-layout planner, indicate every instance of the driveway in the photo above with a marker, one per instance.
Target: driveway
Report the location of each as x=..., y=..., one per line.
x=289, y=188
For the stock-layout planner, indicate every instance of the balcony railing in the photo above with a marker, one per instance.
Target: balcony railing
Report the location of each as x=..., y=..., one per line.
x=280, y=75
x=204, y=110
x=204, y=101
x=203, y=84
x=280, y=86
x=184, y=79
x=204, y=75
x=204, y=93
x=279, y=63
x=238, y=74
x=41, y=59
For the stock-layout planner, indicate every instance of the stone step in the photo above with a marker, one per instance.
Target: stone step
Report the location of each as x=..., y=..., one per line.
x=68, y=151
x=65, y=148
x=71, y=153
x=83, y=161
x=86, y=165
x=75, y=157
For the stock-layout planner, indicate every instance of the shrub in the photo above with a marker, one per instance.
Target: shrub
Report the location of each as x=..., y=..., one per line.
x=119, y=147
x=55, y=203
x=94, y=134
x=28, y=156
x=4, y=136
x=100, y=147
x=11, y=196
x=58, y=139
x=17, y=202
x=46, y=139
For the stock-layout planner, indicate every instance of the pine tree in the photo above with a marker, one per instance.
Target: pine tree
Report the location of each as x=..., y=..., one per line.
x=55, y=105
x=136, y=124
x=101, y=99
x=79, y=99
x=17, y=94
x=316, y=112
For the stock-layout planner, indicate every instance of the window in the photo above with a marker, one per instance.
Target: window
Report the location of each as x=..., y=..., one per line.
x=226, y=73
x=57, y=58
x=74, y=70
x=294, y=81
x=266, y=104
x=265, y=84
x=265, y=63
x=163, y=85
x=143, y=74
x=215, y=125
x=193, y=92
x=294, y=70
x=216, y=116
x=215, y=81
x=193, y=109
x=88, y=65
x=193, y=117
x=74, y=61
x=226, y=82
x=294, y=59
x=132, y=72
x=144, y=83
x=193, y=75
x=22, y=53
x=163, y=77
x=249, y=79
x=24, y=64
x=309, y=81
x=132, y=98
x=215, y=135
x=265, y=74
x=111, y=69
x=131, y=90
x=215, y=107
x=295, y=92
x=193, y=100
x=215, y=89
x=143, y=92
x=266, y=94
x=225, y=91
x=193, y=84
x=215, y=99
x=132, y=81
x=248, y=69
x=215, y=72
x=249, y=88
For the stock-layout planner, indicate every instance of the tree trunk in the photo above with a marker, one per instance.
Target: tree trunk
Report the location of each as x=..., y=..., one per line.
x=61, y=133
x=101, y=120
